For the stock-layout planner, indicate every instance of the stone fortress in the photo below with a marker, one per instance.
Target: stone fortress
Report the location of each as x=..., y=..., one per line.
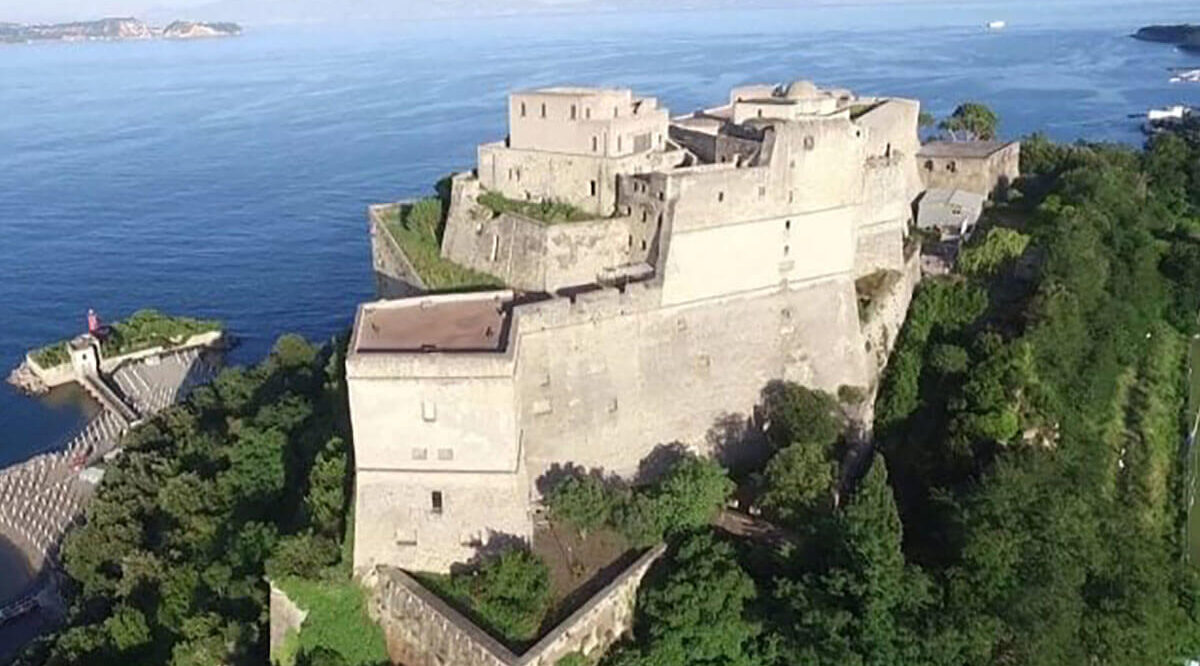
x=722, y=253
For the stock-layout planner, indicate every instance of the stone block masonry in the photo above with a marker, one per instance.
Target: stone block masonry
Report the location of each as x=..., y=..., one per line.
x=423, y=630
x=723, y=257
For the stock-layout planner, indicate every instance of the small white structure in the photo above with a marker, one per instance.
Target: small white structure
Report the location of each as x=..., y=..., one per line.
x=996, y=25
x=1171, y=113
x=952, y=213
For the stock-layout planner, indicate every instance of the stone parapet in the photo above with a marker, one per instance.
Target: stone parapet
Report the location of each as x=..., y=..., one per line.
x=423, y=630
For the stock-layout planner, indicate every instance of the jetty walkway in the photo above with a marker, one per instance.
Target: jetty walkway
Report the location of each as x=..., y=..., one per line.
x=43, y=497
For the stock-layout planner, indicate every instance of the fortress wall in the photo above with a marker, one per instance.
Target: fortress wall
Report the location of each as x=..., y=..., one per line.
x=886, y=317
x=577, y=252
x=396, y=523
x=529, y=254
x=881, y=247
x=423, y=630
x=537, y=175
x=603, y=390
x=465, y=423
x=395, y=277
x=755, y=255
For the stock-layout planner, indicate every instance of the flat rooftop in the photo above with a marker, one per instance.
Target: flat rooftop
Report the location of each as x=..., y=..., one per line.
x=449, y=323
x=961, y=148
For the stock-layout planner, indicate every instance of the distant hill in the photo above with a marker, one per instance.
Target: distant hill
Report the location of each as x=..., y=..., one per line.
x=1185, y=35
x=113, y=29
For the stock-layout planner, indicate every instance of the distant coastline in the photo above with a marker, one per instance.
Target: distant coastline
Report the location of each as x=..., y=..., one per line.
x=113, y=29
x=1185, y=35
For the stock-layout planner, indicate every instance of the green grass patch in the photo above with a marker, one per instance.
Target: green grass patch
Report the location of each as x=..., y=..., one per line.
x=51, y=356
x=142, y=330
x=416, y=228
x=550, y=212
x=337, y=620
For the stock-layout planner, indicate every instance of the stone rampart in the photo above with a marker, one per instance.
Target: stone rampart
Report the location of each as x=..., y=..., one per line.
x=395, y=276
x=423, y=630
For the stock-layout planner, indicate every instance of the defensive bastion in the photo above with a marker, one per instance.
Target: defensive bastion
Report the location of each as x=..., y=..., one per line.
x=659, y=273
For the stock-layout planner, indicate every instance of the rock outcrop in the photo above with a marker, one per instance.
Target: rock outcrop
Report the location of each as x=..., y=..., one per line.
x=113, y=29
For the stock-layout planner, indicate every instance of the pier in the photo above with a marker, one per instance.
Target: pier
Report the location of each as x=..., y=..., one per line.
x=43, y=497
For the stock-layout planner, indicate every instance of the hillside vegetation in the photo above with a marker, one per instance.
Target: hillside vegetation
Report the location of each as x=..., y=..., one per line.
x=1027, y=503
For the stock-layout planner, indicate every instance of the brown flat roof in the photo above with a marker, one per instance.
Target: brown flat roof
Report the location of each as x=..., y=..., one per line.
x=457, y=323
x=961, y=148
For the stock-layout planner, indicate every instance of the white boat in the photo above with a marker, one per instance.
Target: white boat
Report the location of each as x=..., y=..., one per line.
x=1186, y=76
x=996, y=25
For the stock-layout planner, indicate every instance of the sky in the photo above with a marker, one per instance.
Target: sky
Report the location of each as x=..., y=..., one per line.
x=320, y=11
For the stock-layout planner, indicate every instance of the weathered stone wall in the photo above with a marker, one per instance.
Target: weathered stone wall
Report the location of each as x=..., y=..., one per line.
x=880, y=247
x=423, y=630
x=885, y=317
x=604, y=381
x=529, y=254
x=989, y=176
x=537, y=175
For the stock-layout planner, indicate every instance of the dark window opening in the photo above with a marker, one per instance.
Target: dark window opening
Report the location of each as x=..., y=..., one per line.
x=543, y=110
x=573, y=112
x=593, y=185
x=522, y=109
x=436, y=498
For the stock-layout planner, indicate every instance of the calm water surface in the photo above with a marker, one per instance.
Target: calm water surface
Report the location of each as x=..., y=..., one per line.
x=228, y=179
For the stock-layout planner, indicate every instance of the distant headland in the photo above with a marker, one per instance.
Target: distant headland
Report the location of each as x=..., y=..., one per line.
x=1186, y=36
x=113, y=29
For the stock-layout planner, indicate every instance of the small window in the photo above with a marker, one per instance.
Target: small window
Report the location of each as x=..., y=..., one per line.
x=587, y=112
x=661, y=196
x=420, y=454
x=760, y=113
x=660, y=218
x=791, y=196
x=787, y=226
x=786, y=250
x=645, y=215
x=616, y=112
x=762, y=191
x=429, y=411
x=618, y=144
x=543, y=110
x=510, y=174
x=445, y=454
x=518, y=171
x=594, y=187
x=952, y=167
x=720, y=197
x=435, y=499
x=595, y=144
x=643, y=244
x=929, y=165
x=809, y=143
x=522, y=109
x=573, y=112
x=630, y=243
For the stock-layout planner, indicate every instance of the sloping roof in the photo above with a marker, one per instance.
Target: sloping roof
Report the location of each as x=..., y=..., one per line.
x=962, y=149
x=948, y=208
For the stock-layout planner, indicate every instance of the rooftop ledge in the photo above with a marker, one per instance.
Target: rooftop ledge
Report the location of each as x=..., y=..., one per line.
x=472, y=322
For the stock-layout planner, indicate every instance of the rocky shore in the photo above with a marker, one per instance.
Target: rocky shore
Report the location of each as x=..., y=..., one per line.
x=113, y=29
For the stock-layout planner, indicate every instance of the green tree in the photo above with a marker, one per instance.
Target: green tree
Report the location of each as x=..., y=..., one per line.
x=583, y=501
x=797, y=480
x=798, y=414
x=696, y=611
x=971, y=121
x=1001, y=246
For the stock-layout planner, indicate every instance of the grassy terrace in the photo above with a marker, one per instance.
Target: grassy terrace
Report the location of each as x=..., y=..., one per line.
x=550, y=212
x=143, y=330
x=417, y=228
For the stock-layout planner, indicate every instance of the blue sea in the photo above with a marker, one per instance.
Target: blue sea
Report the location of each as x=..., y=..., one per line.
x=229, y=178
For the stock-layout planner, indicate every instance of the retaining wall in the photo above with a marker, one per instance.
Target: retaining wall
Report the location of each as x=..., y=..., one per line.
x=423, y=630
